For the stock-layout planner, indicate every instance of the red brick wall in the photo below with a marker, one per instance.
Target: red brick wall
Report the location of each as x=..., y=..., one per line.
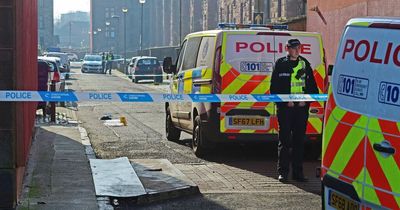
x=18, y=71
x=338, y=12
x=26, y=79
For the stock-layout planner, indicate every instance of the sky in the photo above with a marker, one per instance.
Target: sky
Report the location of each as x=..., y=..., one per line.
x=65, y=6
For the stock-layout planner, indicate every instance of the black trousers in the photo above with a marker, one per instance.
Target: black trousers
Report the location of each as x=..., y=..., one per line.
x=292, y=131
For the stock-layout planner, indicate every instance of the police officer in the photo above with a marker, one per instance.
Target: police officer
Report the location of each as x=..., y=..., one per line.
x=110, y=59
x=292, y=75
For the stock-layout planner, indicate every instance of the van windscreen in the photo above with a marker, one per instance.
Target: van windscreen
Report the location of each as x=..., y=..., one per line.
x=367, y=72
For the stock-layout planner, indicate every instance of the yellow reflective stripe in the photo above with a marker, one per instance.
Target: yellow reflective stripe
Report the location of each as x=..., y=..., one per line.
x=187, y=82
x=349, y=145
x=332, y=174
x=369, y=192
x=316, y=122
x=358, y=186
x=206, y=74
x=236, y=84
x=363, y=24
x=225, y=67
x=222, y=124
x=247, y=131
x=330, y=127
x=388, y=164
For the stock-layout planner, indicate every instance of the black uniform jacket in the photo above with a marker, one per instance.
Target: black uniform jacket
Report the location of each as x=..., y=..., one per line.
x=281, y=77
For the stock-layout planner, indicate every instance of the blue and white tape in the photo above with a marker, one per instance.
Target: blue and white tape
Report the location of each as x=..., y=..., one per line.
x=42, y=96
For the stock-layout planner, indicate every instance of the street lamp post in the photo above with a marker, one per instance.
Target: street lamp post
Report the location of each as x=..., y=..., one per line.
x=180, y=22
x=142, y=2
x=107, y=35
x=125, y=11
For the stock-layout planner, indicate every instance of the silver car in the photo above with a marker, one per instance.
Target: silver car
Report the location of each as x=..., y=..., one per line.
x=92, y=63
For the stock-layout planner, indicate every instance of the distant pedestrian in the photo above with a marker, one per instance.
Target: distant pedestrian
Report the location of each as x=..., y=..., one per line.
x=110, y=58
x=292, y=75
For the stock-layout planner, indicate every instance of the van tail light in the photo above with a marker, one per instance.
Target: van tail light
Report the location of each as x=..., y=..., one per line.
x=217, y=68
x=56, y=77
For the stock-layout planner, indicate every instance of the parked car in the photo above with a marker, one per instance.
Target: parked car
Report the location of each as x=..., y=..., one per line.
x=65, y=64
x=92, y=63
x=72, y=57
x=54, y=74
x=145, y=68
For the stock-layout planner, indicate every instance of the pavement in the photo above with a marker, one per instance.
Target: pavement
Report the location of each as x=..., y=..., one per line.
x=58, y=174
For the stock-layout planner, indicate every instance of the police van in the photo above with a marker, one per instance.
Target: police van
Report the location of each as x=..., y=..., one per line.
x=236, y=59
x=361, y=140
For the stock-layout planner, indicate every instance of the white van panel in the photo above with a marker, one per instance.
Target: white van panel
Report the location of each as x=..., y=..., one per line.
x=366, y=78
x=256, y=54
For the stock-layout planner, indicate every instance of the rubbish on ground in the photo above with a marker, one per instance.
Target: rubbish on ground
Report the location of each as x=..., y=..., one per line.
x=113, y=123
x=123, y=121
x=106, y=117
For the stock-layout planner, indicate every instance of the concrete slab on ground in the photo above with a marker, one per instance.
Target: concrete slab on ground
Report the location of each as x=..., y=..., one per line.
x=116, y=178
x=162, y=180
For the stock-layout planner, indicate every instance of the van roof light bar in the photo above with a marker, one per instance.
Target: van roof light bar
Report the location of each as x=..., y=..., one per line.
x=250, y=26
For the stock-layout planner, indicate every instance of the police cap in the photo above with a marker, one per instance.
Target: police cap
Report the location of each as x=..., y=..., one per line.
x=293, y=43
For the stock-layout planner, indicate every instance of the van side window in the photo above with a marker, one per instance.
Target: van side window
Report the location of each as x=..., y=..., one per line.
x=206, y=52
x=181, y=54
x=190, y=57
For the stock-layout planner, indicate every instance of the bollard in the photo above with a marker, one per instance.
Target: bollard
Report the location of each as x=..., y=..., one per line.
x=53, y=104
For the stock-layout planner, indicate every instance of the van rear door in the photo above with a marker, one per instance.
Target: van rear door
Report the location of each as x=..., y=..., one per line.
x=370, y=86
x=247, y=69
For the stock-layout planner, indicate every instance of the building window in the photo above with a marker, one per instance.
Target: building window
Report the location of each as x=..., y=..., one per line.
x=228, y=10
x=112, y=12
x=107, y=13
x=241, y=12
x=279, y=8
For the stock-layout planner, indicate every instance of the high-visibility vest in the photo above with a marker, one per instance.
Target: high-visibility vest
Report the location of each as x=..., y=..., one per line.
x=297, y=85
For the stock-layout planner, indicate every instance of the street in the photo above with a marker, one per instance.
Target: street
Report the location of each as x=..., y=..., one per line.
x=234, y=176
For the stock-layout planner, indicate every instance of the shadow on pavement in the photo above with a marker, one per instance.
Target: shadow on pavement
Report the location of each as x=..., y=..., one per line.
x=58, y=174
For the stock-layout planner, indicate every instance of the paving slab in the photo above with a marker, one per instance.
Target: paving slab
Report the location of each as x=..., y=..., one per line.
x=115, y=178
x=162, y=180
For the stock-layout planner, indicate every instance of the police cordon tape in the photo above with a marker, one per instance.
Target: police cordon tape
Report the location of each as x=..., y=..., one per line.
x=141, y=75
x=43, y=96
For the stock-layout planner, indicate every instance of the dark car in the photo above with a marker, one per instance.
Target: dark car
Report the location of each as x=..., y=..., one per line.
x=146, y=68
x=47, y=73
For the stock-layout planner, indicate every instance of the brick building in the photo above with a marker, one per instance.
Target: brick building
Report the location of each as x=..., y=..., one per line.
x=336, y=14
x=290, y=12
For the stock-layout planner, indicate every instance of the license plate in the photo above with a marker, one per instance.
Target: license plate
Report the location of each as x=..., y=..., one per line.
x=342, y=203
x=244, y=121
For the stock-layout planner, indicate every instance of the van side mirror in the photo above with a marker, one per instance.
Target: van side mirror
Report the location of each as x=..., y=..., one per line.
x=168, y=67
x=131, y=65
x=330, y=70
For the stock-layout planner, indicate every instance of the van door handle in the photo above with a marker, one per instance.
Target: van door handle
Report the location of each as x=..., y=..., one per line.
x=384, y=147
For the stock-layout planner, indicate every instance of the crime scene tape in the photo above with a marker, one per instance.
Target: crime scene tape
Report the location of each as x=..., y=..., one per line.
x=43, y=96
x=142, y=75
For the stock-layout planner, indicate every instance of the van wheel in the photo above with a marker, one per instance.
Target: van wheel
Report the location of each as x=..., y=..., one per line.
x=173, y=134
x=200, y=143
